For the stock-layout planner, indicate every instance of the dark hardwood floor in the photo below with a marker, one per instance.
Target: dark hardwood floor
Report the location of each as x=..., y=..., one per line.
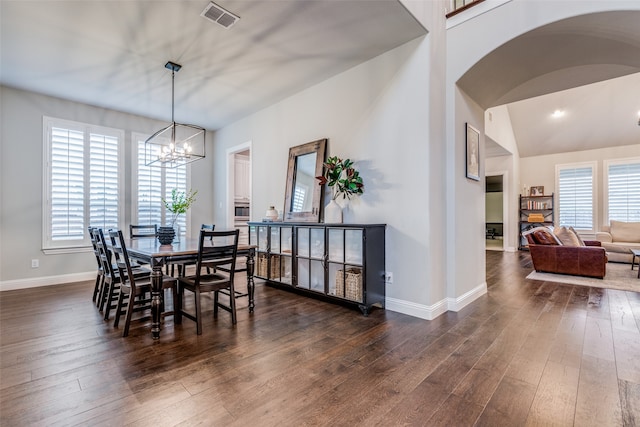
x=527, y=353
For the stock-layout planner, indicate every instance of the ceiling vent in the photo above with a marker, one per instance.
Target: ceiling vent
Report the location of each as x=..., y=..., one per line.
x=219, y=15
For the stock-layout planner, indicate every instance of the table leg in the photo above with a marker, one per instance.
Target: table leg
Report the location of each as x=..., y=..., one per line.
x=156, y=299
x=251, y=286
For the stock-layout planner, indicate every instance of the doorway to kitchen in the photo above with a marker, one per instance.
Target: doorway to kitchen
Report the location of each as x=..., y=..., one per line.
x=239, y=189
x=494, y=212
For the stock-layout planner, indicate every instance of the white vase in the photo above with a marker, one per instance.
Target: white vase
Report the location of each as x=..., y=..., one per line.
x=272, y=213
x=333, y=213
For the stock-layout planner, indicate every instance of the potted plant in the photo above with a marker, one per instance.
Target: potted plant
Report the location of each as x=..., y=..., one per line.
x=344, y=180
x=179, y=204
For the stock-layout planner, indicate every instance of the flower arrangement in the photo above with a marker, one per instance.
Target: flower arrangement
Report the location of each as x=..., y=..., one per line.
x=180, y=202
x=341, y=177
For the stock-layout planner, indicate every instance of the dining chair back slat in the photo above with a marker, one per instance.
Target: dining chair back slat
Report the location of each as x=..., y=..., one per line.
x=183, y=262
x=141, y=231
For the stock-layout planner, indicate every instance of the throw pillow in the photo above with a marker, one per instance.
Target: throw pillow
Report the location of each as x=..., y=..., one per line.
x=578, y=236
x=545, y=237
x=566, y=236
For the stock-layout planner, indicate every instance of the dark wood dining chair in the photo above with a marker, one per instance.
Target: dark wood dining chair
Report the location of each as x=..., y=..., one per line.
x=135, y=290
x=111, y=281
x=100, y=272
x=140, y=231
x=215, y=248
x=183, y=262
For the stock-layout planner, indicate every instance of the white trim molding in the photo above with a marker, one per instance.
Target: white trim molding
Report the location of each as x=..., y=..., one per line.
x=430, y=312
x=457, y=304
x=34, y=282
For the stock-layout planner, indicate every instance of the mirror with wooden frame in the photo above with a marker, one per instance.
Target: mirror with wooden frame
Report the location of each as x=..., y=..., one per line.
x=303, y=194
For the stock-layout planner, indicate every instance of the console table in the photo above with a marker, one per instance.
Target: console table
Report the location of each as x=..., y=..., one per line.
x=340, y=263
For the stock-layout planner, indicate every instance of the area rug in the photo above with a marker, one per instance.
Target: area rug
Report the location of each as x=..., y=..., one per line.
x=619, y=276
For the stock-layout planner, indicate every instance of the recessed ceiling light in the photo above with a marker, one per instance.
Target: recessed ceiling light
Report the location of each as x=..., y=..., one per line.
x=557, y=114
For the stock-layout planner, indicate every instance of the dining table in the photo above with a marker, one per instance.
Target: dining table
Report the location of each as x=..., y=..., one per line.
x=151, y=252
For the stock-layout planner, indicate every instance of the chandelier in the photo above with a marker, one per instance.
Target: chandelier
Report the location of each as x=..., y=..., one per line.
x=176, y=144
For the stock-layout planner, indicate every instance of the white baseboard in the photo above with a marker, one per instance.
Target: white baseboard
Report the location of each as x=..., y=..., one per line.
x=457, y=304
x=430, y=312
x=34, y=282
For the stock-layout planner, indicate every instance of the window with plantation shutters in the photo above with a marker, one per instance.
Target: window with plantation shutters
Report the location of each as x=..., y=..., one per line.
x=148, y=206
x=82, y=182
x=103, y=181
x=176, y=178
x=576, y=189
x=623, y=190
x=66, y=209
x=152, y=184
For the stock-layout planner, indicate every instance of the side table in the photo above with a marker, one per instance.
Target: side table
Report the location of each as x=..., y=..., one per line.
x=636, y=253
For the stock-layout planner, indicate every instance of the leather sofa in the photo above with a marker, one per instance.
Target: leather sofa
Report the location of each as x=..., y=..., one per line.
x=589, y=260
x=618, y=240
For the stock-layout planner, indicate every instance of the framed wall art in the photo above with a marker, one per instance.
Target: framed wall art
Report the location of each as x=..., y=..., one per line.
x=536, y=190
x=473, y=152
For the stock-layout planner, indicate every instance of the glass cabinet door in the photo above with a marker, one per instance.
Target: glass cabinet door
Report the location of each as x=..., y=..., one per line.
x=317, y=243
x=353, y=246
x=345, y=270
x=336, y=245
x=310, y=259
x=280, y=254
x=262, y=238
x=258, y=235
x=275, y=240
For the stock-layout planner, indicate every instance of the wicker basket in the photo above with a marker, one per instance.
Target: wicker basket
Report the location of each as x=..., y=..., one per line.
x=263, y=264
x=349, y=284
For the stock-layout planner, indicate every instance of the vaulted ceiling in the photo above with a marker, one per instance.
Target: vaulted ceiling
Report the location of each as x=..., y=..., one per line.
x=112, y=54
x=588, y=67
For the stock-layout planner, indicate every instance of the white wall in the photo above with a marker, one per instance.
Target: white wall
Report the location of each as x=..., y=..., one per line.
x=466, y=44
x=377, y=115
x=21, y=180
x=541, y=170
x=498, y=127
x=400, y=116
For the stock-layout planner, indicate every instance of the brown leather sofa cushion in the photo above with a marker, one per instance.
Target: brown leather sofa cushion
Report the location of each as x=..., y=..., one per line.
x=587, y=260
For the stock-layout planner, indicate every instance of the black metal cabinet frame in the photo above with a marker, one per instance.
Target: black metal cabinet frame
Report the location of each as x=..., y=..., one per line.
x=341, y=263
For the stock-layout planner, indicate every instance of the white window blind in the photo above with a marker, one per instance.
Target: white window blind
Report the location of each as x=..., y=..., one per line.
x=154, y=183
x=575, y=196
x=103, y=181
x=82, y=182
x=149, y=194
x=623, y=190
x=66, y=212
x=176, y=178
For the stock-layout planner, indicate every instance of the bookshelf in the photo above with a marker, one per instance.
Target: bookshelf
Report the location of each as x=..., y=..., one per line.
x=534, y=211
